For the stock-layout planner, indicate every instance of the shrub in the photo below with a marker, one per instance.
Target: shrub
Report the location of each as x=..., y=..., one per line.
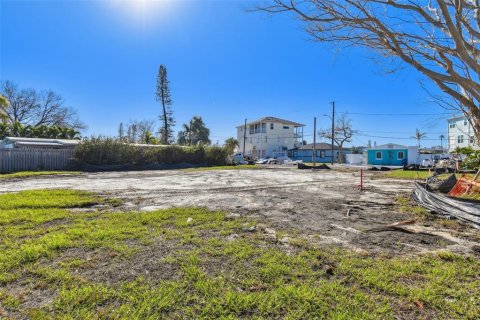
x=472, y=160
x=108, y=151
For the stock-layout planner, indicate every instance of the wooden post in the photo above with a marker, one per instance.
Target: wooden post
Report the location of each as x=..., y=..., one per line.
x=333, y=127
x=314, y=140
x=361, y=180
x=244, y=137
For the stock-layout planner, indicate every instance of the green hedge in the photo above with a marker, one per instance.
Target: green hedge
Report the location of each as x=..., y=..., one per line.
x=106, y=151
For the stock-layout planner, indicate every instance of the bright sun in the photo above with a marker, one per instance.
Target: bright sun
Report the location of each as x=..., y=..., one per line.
x=142, y=10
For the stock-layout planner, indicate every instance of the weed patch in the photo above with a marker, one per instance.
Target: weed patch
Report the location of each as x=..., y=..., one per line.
x=194, y=263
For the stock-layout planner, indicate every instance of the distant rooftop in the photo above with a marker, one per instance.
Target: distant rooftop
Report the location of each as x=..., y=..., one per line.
x=318, y=146
x=456, y=118
x=40, y=141
x=274, y=119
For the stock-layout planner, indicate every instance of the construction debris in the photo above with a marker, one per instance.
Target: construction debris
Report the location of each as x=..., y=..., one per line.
x=466, y=188
x=396, y=226
x=465, y=210
x=321, y=167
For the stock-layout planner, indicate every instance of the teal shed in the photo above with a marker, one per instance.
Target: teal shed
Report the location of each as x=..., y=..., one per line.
x=388, y=155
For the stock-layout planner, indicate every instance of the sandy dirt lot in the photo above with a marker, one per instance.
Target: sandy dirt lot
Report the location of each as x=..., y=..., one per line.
x=323, y=206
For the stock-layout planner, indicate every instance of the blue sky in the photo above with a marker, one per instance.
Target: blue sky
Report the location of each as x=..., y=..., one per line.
x=224, y=64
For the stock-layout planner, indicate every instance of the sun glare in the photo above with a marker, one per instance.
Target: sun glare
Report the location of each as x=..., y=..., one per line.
x=142, y=11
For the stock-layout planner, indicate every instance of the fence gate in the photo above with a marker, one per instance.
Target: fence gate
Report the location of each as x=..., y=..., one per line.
x=35, y=159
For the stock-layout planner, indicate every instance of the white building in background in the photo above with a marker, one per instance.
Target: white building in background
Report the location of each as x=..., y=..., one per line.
x=269, y=136
x=460, y=134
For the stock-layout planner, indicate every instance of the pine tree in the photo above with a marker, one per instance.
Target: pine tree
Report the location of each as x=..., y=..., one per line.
x=121, y=131
x=163, y=96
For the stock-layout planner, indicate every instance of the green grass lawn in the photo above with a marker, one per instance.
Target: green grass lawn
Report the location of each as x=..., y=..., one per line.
x=27, y=174
x=410, y=174
x=191, y=263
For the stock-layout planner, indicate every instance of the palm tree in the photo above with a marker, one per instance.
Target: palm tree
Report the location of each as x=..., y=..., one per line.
x=3, y=108
x=199, y=133
x=419, y=136
x=193, y=133
x=149, y=138
x=441, y=140
x=5, y=130
x=230, y=145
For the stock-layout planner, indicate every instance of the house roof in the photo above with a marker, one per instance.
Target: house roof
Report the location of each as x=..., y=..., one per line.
x=456, y=118
x=388, y=146
x=318, y=146
x=432, y=150
x=41, y=141
x=274, y=119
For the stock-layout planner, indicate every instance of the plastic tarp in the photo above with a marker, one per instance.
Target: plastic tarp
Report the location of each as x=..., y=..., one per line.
x=468, y=211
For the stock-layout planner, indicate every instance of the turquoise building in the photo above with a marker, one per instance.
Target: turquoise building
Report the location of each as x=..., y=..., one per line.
x=323, y=153
x=388, y=155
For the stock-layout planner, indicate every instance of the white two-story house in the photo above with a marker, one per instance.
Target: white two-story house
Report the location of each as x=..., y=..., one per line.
x=460, y=134
x=269, y=136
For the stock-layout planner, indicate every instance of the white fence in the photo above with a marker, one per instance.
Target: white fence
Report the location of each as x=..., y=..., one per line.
x=35, y=159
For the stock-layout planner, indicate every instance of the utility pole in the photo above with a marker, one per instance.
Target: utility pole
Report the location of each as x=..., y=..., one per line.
x=333, y=126
x=244, y=136
x=314, y=140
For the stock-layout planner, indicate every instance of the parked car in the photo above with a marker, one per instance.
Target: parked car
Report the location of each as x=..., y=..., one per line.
x=239, y=159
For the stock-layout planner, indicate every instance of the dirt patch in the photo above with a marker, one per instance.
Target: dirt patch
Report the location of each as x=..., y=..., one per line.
x=324, y=205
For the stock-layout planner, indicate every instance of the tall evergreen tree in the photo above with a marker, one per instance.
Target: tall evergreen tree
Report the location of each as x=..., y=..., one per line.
x=164, y=97
x=121, y=131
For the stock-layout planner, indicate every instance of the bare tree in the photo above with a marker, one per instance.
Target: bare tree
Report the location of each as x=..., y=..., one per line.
x=439, y=38
x=342, y=132
x=29, y=107
x=137, y=130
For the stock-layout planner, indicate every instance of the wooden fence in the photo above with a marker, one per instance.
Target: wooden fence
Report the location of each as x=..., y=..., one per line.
x=35, y=159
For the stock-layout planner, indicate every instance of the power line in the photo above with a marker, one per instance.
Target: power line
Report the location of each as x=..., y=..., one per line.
x=393, y=114
x=402, y=138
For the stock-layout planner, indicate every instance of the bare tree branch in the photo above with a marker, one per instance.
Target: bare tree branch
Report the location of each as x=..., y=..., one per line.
x=439, y=38
x=30, y=107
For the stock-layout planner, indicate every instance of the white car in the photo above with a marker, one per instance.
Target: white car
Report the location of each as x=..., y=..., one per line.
x=262, y=161
x=427, y=163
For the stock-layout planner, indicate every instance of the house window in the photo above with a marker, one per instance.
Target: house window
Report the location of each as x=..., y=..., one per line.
x=472, y=140
x=252, y=129
x=295, y=154
x=319, y=153
x=452, y=125
x=460, y=138
x=378, y=155
x=271, y=126
x=286, y=127
x=264, y=128
x=322, y=154
x=400, y=155
x=465, y=122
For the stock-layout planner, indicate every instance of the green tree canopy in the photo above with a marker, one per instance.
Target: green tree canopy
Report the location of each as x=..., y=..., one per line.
x=193, y=133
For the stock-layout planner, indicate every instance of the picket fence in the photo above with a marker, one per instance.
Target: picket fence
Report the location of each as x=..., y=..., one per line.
x=12, y=160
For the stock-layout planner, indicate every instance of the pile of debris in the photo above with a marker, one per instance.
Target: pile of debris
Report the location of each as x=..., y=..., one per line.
x=452, y=198
x=320, y=167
